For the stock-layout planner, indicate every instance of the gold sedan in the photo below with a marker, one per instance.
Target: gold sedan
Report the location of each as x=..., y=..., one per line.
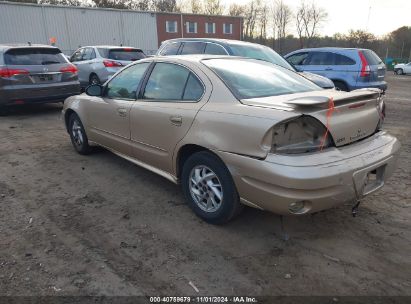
x=237, y=131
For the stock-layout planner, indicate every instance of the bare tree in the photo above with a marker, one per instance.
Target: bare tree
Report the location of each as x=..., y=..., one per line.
x=236, y=10
x=308, y=19
x=250, y=18
x=263, y=21
x=213, y=7
x=282, y=15
x=197, y=7
x=166, y=6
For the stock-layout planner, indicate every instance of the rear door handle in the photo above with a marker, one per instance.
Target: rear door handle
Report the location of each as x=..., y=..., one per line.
x=328, y=69
x=122, y=112
x=176, y=120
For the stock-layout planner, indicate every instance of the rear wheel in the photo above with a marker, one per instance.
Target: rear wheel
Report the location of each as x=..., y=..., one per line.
x=78, y=135
x=341, y=86
x=209, y=188
x=94, y=79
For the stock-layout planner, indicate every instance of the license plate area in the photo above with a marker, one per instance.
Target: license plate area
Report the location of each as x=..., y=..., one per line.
x=45, y=78
x=369, y=180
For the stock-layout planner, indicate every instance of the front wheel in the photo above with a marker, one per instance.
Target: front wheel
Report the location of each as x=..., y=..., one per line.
x=400, y=72
x=209, y=188
x=78, y=135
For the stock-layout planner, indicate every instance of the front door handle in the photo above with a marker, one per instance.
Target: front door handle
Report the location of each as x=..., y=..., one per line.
x=122, y=112
x=176, y=120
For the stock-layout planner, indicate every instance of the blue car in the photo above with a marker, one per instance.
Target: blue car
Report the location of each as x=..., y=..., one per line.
x=348, y=68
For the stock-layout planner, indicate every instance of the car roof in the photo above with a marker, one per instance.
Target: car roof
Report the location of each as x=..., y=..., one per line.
x=110, y=47
x=330, y=49
x=213, y=40
x=194, y=58
x=5, y=47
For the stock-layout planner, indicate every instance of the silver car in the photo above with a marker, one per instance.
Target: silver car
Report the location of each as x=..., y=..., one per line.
x=96, y=64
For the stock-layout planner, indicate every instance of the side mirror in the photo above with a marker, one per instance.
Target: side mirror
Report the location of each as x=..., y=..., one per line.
x=94, y=90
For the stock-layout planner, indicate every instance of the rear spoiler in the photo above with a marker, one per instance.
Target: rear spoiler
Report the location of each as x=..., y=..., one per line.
x=343, y=98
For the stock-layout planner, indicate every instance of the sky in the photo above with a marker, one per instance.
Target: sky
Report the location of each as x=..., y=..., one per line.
x=343, y=15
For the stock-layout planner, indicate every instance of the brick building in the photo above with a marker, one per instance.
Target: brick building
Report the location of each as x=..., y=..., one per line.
x=171, y=25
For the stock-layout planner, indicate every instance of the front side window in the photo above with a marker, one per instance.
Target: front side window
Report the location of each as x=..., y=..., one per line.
x=171, y=26
x=172, y=82
x=298, y=59
x=320, y=58
x=228, y=28
x=77, y=56
x=125, y=84
x=253, y=79
x=170, y=49
x=193, y=48
x=191, y=27
x=210, y=28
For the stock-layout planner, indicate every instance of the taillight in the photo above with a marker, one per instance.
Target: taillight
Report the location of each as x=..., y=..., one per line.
x=69, y=69
x=7, y=73
x=110, y=64
x=365, y=68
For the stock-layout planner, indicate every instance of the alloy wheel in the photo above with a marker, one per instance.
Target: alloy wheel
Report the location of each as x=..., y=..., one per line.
x=205, y=188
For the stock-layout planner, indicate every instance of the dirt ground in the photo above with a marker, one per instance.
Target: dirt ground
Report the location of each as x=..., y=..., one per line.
x=99, y=225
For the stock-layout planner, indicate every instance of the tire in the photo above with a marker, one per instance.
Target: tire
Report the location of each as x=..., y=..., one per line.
x=4, y=111
x=78, y=135
x=341, y=86
x=400, y=72
x=219, y=202
x=94, y=79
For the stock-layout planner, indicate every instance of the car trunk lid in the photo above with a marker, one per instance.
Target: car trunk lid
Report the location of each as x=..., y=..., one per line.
x=349, y=116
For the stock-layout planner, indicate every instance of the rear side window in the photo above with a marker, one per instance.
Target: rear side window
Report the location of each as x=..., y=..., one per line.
x=371, y=57
x=343, y=60
x=170, y=49
x=214, y=49
x=193, y=48
x=34, y=56
x=172, y=82
x=126, y=54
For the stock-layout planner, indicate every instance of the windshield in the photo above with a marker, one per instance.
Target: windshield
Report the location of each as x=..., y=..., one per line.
x=125, y=54
x=261, y=53
x=34, y=56
x=253, y=79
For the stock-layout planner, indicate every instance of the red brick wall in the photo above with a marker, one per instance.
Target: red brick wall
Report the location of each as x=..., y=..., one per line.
x=201, y=21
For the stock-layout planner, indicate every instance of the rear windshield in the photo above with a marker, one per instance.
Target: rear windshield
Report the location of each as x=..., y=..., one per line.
x=126, y=54
x=34, y=56
x=371, y=57
x=261, y=53
x=253, y=79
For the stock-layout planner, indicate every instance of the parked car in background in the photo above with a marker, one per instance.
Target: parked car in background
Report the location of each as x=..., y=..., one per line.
x=190, y=46
x=402, y=68
x=35, y=74
x=348, y=68
x=238, y=131
x=96, y=64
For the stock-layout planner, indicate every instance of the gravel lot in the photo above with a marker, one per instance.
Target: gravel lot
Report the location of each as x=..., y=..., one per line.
x=99, y=225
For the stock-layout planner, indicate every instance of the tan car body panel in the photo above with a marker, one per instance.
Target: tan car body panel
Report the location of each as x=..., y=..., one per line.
x=240, y=133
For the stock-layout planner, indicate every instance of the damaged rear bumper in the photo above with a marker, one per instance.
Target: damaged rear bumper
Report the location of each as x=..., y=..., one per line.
x=317, y=181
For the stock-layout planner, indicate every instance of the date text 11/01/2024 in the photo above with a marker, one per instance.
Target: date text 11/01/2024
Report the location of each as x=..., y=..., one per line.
x=204, y=299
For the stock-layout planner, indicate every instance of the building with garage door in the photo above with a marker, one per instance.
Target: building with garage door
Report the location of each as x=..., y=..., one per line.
x=71, y=27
